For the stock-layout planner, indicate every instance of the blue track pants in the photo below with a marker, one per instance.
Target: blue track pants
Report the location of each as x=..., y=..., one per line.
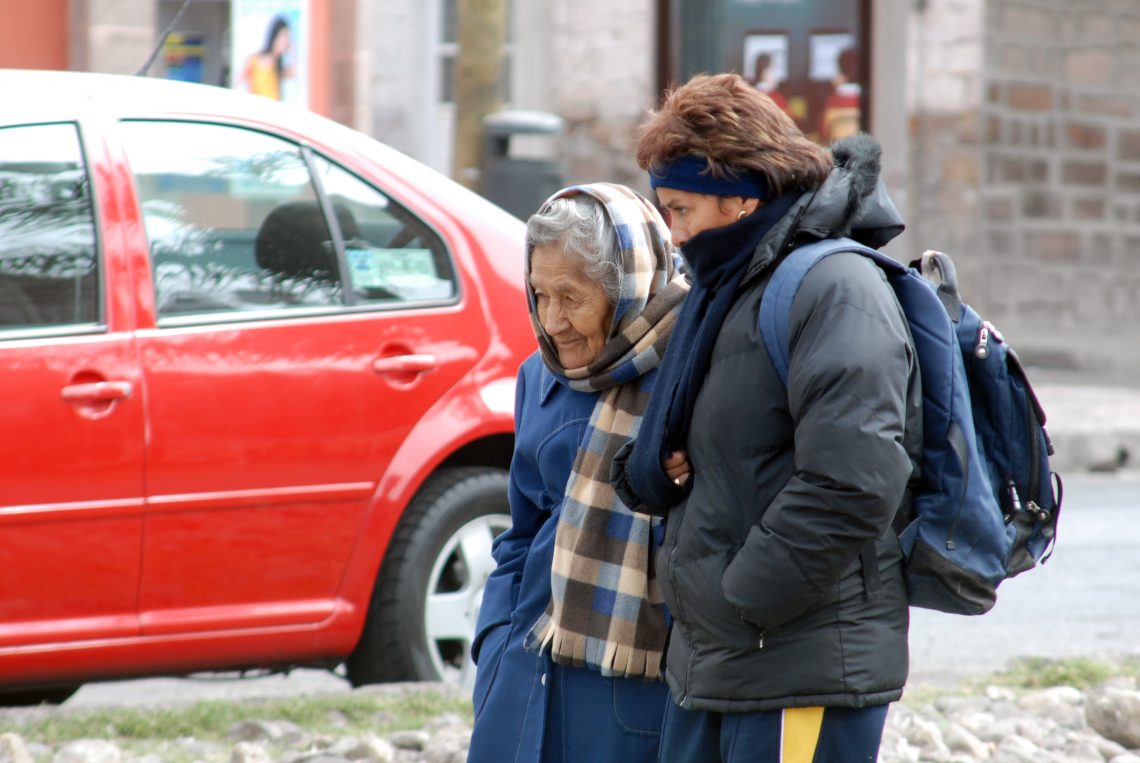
x=793, y=735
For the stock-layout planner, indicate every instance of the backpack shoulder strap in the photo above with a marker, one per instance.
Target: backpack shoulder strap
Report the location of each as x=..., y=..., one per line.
x=776, y=302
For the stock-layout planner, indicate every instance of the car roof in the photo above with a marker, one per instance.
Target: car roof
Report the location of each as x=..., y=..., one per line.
x=61, y=94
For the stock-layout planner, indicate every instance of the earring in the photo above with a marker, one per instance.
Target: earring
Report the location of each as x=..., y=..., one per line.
x=740, y=215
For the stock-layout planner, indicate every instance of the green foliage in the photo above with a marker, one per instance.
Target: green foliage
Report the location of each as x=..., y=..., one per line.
x=1078, y=672
x=341, y=714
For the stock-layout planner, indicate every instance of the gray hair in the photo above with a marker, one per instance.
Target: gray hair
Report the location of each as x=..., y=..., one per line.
x=579, y=225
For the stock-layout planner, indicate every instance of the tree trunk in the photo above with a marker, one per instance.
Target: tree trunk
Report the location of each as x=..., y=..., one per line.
x=478, y=67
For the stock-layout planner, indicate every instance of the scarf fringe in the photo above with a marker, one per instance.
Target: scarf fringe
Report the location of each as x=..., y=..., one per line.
x=610, y=659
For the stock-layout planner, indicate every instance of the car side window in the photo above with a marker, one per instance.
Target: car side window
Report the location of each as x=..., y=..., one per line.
x=49, y=265
x=391, y=255
x=233, y=220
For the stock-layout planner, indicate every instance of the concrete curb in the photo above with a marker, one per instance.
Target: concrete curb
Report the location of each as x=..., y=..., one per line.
x=1093, y=428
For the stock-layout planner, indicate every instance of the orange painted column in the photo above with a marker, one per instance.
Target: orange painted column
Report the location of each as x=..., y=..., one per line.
x=34, y=35
x=320, y=56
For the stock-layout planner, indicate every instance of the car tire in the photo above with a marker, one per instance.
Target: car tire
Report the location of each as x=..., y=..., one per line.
x=439, y=558
x=30, y=697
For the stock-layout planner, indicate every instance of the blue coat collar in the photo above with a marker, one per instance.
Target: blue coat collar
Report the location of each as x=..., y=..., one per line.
x=547, y=383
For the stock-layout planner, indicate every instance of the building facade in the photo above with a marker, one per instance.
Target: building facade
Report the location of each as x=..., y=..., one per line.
x=1024, y=162
x=1010, y=128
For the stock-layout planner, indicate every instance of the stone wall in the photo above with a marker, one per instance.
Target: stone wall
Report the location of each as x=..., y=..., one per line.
x=115, y=36
x=393, y=33
x=944, y=92
x=1035, y=189
x=603, y=56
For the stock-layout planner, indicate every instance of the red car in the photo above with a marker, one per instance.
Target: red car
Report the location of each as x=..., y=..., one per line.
x=258, y=375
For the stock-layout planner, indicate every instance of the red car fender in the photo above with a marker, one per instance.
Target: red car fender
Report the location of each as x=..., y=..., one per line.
x=451, y=424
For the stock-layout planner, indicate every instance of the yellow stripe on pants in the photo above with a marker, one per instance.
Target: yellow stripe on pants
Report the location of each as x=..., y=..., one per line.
x=799, y=734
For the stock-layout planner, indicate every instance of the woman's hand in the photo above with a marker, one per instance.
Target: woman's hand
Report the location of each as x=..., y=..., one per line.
x=676, y=466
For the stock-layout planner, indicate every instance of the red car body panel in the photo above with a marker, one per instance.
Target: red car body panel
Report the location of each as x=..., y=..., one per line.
x=213, y=494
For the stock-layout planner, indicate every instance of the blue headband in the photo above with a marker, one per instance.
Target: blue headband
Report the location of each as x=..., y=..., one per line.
x=691, y=173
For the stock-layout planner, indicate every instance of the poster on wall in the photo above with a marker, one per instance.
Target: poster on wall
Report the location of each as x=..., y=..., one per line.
x=821, y=91
x=270, y=56
x=809, y=56
x=825, y=52
x=182, y=54
x=835, y=60
x=765, y=64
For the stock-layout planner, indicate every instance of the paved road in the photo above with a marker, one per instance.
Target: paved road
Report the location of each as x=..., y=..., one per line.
x=1082, y=602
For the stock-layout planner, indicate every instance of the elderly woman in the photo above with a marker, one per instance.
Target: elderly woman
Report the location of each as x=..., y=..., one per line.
x=572, y=629
x=783, y=574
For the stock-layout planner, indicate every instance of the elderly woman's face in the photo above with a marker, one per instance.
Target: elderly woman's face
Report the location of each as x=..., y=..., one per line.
x=572, y=307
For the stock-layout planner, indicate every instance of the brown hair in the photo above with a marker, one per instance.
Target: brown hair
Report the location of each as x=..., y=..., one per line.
x=736, y=128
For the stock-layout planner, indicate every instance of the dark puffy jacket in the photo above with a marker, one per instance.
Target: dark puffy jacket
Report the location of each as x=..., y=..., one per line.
x=780, y=567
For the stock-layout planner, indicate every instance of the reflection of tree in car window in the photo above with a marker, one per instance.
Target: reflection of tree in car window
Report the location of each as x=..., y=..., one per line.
x=47, y=234
x=206, y=210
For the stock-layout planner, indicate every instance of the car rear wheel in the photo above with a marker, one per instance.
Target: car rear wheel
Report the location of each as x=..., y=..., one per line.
x=421, y=619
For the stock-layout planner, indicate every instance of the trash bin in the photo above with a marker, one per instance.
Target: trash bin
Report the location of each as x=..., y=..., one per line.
x=521, y=164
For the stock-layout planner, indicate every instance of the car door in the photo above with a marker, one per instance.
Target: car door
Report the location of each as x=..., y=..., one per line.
x=71, y=425
x=305, y=322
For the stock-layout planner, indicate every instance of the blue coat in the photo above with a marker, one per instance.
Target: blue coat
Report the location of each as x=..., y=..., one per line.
x=526, y=707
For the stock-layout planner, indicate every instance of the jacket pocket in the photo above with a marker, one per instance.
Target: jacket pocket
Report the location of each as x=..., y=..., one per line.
x=704, y=611
x=639, y=705
x=490, y=657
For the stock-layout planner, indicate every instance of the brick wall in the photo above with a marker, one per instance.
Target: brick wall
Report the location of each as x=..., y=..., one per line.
x=1035, y=189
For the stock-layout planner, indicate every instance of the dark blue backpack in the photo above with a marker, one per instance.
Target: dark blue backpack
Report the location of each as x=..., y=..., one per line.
x=987, y=506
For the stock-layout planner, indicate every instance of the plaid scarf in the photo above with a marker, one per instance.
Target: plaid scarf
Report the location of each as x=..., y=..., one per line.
x=606, y=610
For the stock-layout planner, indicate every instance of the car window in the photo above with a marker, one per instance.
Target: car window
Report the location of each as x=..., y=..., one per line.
x=391, y=255
x=48, y=252
x=233, y=220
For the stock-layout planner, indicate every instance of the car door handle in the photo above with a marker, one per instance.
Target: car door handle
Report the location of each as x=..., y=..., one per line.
x=99, y=392
x=405, y=364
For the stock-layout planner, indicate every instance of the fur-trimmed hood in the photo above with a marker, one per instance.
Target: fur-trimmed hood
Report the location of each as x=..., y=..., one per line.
x=852, y=202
